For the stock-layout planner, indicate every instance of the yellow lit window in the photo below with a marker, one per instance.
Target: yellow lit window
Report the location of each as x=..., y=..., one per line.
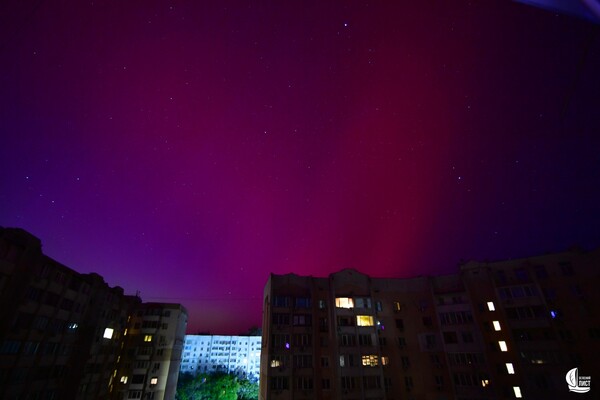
x=344, y=302
x=497, y=326
x=369, y=360
x=154, y=381
x=124, y=379
x=364, y=320
x=485, y=382
x=397, y=306
x=517, y=391
x=275, y=363
x=108, y=333
x=502, y=345
x=125, y=333
x=147, y=338
x=385, y=360
x=490, y=305
x=510, y=368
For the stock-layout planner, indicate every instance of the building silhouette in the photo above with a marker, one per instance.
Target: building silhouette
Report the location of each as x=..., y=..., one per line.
x=500, y=330
x=66, y=335
x=239, y=355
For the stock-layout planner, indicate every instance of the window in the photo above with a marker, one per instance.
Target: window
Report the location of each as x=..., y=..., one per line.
x=467, y=337
x=397, y=306
x=304, y=383
x=302, y=302
x=517, y=391
x=405, y=362
x=301, y=320
x=326, y=384
x=502, y=345
x=400, y=324
x=344, y=302
x=137, y=379
x=154, y=380
x=378, y=306
x=490, y=306
x=364, y=320
x=371, y=382
x=108, y=333
x=147, y=338
x=281, y=301
x=349, y=382
x=510, y=369
x=370, y=360
x=566, y=268
x=365, y=340
x=362, y=302
x=521, y=274
x=450, y=338
x=497, y=325
x=324, y=361
x=385, y=360
x=322, y=304
x=303, y=361
x=134, y=394
x=279, y=383
x=281, y=319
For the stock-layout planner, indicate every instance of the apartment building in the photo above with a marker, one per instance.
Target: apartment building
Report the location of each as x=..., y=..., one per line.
x=501, y=330
x=232, y=354
x=154, y=339
x=63, y=334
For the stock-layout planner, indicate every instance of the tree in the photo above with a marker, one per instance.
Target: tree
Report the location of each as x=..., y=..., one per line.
x=248, y=390
x=217, y=386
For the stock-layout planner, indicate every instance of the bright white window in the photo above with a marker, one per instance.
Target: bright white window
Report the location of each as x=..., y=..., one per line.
x=364, y=320
x=502, y=345
x=510, y=368
x=497, y=325
x=517, y=391
x=108, y=333
x=485, y=382
x=154, y=380
x=124, y=379
x=275, y=363
x=344, y=302
x=491, y=306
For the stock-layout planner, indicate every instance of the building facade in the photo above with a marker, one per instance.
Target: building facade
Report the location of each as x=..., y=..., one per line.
x=232, y=354
x=63, y=335
x=502, y=330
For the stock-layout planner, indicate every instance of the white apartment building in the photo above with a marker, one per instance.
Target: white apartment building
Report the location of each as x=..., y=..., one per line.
x=232, y=354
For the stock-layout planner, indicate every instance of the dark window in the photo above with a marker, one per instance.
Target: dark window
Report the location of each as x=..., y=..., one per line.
x=450, y=337
x=137, y=379
x=400, y=324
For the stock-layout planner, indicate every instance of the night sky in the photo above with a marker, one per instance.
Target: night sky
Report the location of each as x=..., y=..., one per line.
x=187, y=150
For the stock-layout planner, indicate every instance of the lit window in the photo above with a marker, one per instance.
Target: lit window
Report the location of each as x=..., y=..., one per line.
x=108, y=333
x=497, y=325
x=485, y=382
x=123, y=379
x=342, y=361
x=491, y=306
x=510, y=368
x=370, y=361
x=517, y=391
x=553, y=314
x=147, y=338
x=502, y=345
x=344, y=302
x=397, y=306
x=154, y=381
x=364, y=320
x=275, y=363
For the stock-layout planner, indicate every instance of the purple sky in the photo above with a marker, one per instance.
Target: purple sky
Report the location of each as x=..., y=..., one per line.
x=188, y=150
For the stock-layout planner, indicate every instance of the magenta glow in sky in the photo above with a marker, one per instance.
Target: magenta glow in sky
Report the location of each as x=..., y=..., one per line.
x=188, y=150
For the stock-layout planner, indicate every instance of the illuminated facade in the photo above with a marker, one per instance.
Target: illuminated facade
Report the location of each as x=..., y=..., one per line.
x=64, y=335
x=509, y=329
x=233, y=354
